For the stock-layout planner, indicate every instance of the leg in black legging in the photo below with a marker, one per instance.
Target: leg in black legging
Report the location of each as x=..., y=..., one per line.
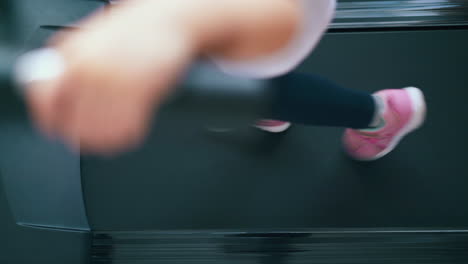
x=312, y=100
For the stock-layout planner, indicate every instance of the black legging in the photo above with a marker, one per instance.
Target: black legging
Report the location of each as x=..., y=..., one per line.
x=312, y=100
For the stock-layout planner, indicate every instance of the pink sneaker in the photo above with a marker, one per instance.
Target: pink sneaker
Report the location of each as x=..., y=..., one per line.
x=405, y=111
x=273, y=126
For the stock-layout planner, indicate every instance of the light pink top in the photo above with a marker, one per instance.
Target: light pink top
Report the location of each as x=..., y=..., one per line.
x=318, y=15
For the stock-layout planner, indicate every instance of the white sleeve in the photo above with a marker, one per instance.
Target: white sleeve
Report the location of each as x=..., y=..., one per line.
x=317, y=16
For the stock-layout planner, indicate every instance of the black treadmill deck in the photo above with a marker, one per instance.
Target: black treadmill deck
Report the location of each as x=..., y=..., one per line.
x=293, y=247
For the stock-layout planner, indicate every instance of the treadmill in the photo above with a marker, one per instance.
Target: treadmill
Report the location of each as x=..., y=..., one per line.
x=189, y=195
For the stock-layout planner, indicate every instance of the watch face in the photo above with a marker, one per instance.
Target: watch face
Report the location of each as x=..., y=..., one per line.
x=403, y=13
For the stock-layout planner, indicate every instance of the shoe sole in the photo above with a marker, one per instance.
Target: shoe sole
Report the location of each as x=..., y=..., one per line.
x=271, y=129
x=417, y=120
x=275, y=129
